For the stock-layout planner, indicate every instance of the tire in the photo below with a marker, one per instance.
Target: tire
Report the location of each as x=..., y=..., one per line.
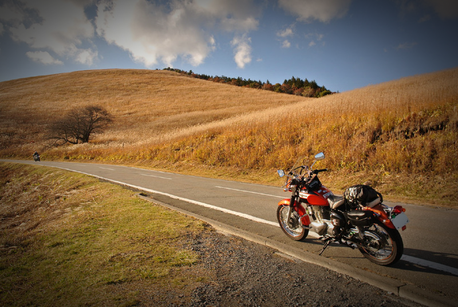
x=385, y=246
x=293, y=228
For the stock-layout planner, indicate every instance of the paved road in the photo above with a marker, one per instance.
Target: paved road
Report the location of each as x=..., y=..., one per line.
x=429, y=267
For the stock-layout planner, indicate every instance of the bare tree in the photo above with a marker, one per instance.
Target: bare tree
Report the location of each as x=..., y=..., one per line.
x=79, y=124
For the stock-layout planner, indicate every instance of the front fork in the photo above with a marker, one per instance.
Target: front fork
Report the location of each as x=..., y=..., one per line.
x=290, y=207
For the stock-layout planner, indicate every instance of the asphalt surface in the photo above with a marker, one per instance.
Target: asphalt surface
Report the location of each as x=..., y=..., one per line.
x=427, y=273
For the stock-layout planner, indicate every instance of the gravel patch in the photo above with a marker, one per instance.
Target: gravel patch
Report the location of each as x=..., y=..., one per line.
x=243, y=273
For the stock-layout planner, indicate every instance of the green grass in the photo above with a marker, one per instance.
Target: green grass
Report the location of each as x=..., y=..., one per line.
x=68, y=239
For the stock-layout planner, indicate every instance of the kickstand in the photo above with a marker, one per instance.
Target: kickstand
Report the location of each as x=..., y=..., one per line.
x=326, y=244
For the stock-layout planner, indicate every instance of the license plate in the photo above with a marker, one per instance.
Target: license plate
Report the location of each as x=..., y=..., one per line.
x=400, y=220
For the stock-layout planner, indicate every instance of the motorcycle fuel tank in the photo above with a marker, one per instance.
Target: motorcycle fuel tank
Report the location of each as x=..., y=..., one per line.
x=318, y=198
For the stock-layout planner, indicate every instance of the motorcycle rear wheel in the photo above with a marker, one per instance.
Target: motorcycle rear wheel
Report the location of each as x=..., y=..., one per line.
x=292, y=228
x=385, y=246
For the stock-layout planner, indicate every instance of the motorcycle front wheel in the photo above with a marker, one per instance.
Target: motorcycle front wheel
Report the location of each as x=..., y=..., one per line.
x=382, y=245
x=292, y=228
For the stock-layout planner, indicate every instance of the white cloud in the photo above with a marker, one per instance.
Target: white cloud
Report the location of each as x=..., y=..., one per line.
x=315, y=37
x=322, y=10
x=212, y=43
x=231, y=24
x=286, y=44
x=60, y=26
x=234, y=15
x=288, y=32
x=152, y=33
x=242, y=50
x=43, y=57
x=285, y=33
x=86, y=56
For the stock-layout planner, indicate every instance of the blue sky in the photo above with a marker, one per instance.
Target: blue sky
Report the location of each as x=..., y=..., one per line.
x=341, y=44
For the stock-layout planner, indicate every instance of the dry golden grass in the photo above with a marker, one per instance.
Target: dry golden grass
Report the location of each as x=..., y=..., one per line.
x=146, y=104
x=401, y=134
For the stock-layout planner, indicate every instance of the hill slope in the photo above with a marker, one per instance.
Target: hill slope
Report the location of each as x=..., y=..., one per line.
x=145, y=104
x=400, y=134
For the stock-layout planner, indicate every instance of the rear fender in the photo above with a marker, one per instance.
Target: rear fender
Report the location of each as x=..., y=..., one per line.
x=381, y=215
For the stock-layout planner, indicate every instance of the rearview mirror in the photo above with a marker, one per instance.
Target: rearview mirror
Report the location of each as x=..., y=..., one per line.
x=319, y=156
x=281, y=173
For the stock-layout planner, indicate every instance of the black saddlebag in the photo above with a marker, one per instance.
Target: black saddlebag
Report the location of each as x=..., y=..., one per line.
x=360, y=218
x=362, y=195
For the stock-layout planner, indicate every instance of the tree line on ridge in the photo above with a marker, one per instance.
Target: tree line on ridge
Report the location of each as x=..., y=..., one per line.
x=293, y=86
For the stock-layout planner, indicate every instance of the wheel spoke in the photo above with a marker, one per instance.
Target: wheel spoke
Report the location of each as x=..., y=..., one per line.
x=382, y=245
x=292, y=227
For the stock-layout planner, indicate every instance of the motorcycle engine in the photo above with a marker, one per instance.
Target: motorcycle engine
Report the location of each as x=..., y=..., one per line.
x=321, y=223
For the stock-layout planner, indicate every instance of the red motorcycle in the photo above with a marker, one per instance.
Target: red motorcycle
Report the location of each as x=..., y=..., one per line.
x=359, y=219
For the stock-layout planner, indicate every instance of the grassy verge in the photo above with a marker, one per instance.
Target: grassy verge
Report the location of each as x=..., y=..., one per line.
x=68, y=239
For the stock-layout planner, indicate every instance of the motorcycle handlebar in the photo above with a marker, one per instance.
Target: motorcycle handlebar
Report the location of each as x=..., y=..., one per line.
x=292, y=173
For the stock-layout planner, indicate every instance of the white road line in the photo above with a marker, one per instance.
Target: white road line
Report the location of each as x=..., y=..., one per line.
x=430, y=264
x=422, y=262
x=195, y=202
x=110, y=169
x=156, y=176
x=251, y=192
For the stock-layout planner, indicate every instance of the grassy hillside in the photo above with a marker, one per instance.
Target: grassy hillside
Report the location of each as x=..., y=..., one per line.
x=148, y=106
x=400, y=135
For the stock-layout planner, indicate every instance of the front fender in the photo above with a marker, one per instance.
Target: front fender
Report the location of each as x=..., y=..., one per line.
x=285, y=201
x=305, y=220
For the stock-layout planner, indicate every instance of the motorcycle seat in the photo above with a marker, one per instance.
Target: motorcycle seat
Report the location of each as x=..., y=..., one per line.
x=358, y=214
x=374, y=202
x=335, y=201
